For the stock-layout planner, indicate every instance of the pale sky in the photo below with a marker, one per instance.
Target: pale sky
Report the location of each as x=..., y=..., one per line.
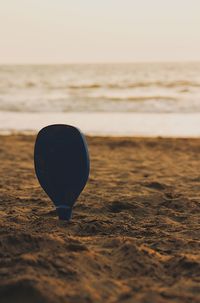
x=68, y=31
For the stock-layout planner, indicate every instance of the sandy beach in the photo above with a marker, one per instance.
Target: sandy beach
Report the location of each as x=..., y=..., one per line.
x=134, y=236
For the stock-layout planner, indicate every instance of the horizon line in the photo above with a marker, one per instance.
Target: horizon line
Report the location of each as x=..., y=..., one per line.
x=100, y=62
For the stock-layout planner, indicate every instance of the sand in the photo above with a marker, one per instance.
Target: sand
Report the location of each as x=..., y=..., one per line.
x=134, y=236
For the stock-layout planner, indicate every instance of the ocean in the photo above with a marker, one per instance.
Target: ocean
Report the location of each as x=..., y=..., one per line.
x=102, y=99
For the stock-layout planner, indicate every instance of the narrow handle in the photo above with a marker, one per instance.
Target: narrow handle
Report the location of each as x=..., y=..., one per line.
x=64, y=212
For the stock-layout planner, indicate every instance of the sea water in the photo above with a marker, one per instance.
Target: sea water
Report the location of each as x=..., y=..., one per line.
x=145, y=99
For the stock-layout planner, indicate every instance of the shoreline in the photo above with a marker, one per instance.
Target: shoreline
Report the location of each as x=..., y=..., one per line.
x=107, y=124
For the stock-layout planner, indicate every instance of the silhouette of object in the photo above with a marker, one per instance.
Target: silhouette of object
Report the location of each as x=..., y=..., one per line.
x=62, y=165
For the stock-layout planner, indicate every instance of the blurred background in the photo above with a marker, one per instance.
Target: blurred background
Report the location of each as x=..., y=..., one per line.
x=110, y=67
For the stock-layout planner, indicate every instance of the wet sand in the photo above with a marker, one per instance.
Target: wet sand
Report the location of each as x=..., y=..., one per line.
x=134, y=236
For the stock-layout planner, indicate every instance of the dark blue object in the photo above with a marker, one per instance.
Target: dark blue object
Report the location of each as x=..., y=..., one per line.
x=62, y=165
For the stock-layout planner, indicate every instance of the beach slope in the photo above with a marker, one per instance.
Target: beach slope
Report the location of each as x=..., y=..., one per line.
x=134, y=236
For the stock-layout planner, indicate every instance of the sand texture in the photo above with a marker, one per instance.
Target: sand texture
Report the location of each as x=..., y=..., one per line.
x=134, y=236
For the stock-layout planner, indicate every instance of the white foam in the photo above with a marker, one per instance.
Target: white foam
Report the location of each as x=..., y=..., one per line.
x=107, y=124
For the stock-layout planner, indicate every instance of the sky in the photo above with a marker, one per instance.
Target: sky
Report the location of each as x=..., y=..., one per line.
x=84, y=31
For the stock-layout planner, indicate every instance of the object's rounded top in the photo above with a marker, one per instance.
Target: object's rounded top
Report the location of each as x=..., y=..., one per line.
x=59, y=126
